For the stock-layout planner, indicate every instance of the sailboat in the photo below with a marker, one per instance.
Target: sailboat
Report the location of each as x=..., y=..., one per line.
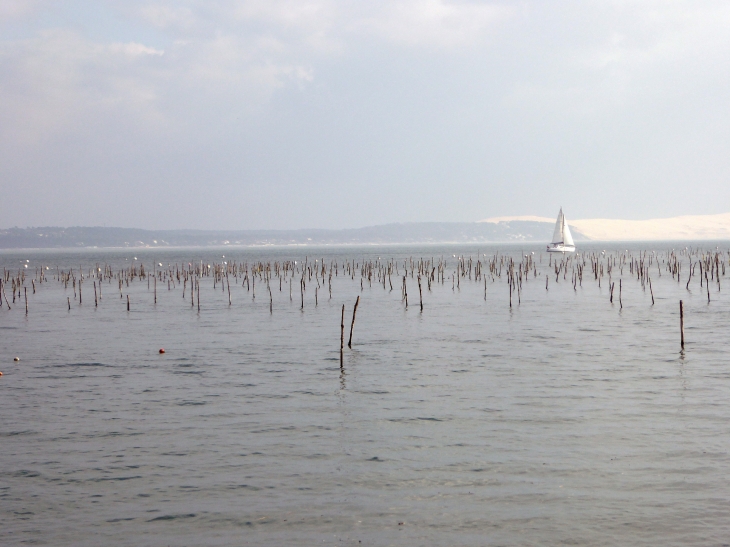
x=562, y=239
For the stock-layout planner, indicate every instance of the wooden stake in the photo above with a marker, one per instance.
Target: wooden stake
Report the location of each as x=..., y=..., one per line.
x=342, y=335
x=681, y=324
x=96, y=302
x=352, y=326
x=652, y=292
x=420, y=294
x=25, y=291
x=620, y=302
x=127, y=302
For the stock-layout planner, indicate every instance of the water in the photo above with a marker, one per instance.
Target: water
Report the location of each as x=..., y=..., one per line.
x=564, y=420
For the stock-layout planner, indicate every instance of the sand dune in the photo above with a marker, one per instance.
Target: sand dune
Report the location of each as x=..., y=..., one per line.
x=690, y=227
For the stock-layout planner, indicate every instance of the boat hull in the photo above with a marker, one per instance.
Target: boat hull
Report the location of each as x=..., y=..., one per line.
x=560, y=248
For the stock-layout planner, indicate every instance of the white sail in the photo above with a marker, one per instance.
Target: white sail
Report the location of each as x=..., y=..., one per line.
x=567, y=236
x=558, y=232
x=562, y=238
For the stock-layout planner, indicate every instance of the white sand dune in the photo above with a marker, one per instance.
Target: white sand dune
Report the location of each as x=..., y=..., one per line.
x=689, y=227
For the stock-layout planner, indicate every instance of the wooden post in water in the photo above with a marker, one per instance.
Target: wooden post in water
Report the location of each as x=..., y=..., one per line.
x=652, y=292
x=155, y=290
x=7, y=303
x=127, y=302
x=68, y=299
x=420, y=294
x=96, y=301
x=25, y=291
x=342, y=335
x=681, y=324
x=620, y=302
x=352, y=326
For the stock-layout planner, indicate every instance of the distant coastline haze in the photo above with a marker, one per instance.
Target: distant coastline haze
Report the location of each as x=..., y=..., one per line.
x=524, y=228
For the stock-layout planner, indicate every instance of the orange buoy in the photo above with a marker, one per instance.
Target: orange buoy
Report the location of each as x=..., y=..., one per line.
x=1, y=373
x=16, y=359
x=162, y=350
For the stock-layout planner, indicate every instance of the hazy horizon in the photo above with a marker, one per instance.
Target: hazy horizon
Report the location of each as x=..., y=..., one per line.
x=498, y=229
x=320, y=114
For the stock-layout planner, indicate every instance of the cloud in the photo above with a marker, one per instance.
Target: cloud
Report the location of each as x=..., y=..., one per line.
x=380, y=98
x=168, y=16
x=230, y=65
x=433, y=22
x=134, y=49
x=13, y=9
x=329, y=25
x=57, y=81
x=646, y=34
x=616, y=55
x=251, y=49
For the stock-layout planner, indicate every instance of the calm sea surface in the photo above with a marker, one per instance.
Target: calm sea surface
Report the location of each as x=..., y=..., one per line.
x=563, y=420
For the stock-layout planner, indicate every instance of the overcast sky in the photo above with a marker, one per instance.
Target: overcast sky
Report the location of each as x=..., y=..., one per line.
x=340, y=113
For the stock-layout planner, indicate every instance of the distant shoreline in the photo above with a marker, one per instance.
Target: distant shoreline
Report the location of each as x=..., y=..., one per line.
x=497, y=231
x=389, y=234
x=592, y=245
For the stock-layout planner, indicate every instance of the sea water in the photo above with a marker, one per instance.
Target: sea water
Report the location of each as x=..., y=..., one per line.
x=563, y=419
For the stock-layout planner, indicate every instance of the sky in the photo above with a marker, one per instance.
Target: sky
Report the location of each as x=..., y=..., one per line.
x=283, y=114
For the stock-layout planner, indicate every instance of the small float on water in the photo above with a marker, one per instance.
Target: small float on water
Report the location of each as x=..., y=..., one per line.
x=562, y=238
